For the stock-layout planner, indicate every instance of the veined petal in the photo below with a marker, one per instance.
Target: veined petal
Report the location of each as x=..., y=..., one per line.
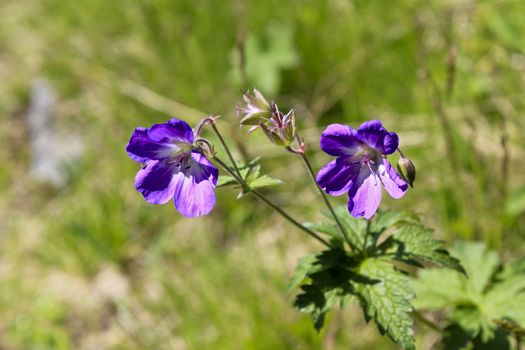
x=202, y=169
x=193, y=198
x=373, y=133
x=339, y=140
x=365, y=195
x=390, y=143
x=194, y=191
x=336, y=177
x=173, y=130
x=141, y=148
x=155, y=182
x=393, y=183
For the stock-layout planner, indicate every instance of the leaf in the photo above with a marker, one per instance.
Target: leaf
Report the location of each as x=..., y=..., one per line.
x=479, y=263
x=481, y=302
x=305, y=265
x=474, y=321
x=439, y=288
x=387, y=218
x=264, y=181
x=225, y=180
x=251, y=175
x=387, y=300
x=327, y=229
x=330, y=273
x=355, y=228
x=411, y=243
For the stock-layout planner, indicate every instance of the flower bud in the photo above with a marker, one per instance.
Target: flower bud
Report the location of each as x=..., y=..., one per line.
x=273, y=135
x=289, y=126
x=406, y=170
x=254, y=109
x=205, y=147
x=280, y=129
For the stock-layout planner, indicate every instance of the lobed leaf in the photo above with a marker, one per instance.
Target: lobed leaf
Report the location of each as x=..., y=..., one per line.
x=387, y=300
x=413, y=243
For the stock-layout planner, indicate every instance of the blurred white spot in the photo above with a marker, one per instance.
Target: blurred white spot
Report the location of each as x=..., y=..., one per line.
x=50, y=148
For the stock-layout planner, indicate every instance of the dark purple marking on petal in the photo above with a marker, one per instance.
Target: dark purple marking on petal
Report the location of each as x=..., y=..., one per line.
x=155, y=182
x=364, y=197
x=202, y=169
x=339, y=140
x=140, y=148
x=173, y=130
x=336, y=177
x=394, y=185
x=390, y=143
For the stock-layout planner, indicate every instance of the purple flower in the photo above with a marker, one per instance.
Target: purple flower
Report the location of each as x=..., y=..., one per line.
x=361, y=166
x=173, y=168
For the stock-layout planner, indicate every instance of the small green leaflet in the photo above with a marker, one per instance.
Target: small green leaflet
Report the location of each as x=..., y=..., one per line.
x=251, y=174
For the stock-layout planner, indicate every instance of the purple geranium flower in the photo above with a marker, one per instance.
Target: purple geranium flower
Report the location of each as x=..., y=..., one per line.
x=173, y=168
x=361, y=166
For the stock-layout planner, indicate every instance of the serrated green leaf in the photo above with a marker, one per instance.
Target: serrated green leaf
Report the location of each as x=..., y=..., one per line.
x=387, y=300
x=329, y=274
x=225, y=180
x=413, y=242
x=305, y=266
x=263, y=181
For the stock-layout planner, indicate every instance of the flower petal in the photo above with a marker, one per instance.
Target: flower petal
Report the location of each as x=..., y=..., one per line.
x=194, y=192
x=193, y=198
x=393, y=183
x=339, y=140
x=373, y=133
x=336, y=177
x=390, y=143
x=202, y=169
x=173, y=130
x=155, y=182
x=141, y=149
x=365, y=195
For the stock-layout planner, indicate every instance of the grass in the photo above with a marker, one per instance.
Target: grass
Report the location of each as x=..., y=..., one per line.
x=220, y=282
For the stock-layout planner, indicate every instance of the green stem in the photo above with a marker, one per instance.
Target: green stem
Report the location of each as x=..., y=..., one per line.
x=325, y=199
x=426, y=322
x=216, y=130
x=271, y=204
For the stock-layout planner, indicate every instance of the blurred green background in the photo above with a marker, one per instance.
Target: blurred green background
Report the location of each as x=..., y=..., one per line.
x=86, y=263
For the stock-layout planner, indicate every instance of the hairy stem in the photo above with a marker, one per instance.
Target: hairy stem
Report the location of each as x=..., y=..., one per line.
x=274, y=206
x=216, y=130
x=325, y=199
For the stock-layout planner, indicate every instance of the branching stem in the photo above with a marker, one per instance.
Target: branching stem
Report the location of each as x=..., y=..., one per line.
x=238, y=177
x=323, y=195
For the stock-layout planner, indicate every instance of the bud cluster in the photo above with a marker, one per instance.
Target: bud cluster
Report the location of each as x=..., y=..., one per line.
x=279, y=128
